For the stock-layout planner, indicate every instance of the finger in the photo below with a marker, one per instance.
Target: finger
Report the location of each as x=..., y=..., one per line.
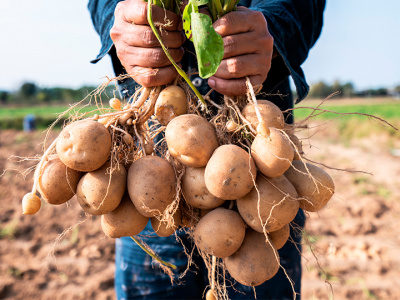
x=240, y=21
x=239, y=44
x=148, y=57
x=241, y=66
x=233, y=87
x=143, y=36
x=135, y=11
x=149, y=77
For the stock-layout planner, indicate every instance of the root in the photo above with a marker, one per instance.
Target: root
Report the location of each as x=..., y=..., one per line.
x=52, y=251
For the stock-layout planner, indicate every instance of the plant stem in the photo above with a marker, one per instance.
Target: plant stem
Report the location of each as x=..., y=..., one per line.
x=153, y=255
x=211, y=9
x=180, y=71
x=230, y=5
x=218, y=6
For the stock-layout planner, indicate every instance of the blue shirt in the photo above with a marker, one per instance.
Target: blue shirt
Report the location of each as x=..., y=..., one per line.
x=295, y=26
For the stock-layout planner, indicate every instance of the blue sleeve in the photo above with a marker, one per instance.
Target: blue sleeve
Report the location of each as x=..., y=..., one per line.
x=102, y=14
x=295, y=26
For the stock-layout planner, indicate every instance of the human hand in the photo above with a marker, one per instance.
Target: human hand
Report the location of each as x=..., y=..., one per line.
x=248, y=49
x=137, y=47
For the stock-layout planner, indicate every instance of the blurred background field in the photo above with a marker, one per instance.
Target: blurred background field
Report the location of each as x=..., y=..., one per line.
x=350, y=248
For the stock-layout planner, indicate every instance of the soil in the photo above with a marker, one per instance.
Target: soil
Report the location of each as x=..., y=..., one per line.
x=351, y=247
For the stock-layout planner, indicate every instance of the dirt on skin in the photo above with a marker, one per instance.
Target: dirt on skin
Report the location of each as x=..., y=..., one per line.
x=61, y=253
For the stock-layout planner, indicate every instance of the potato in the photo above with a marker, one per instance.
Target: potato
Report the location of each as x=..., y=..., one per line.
x=171, y=102
x=100, y=192
x=125, y=220
x=30, y=204
x=280, y=236
x=220, y=232
x=297, y=146
x=270, y=113
x=162, y=228
x=255, y=262
x=195, y=191
x=57, y=183
x=84, y=145
x=314, y=193
x=230, y=172
x=151, y=185
x=191, y=140
x=210, y=295
x=274, y=201
x=272, y=156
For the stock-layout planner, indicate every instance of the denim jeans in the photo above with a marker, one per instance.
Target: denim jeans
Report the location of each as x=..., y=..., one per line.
x=137, y=277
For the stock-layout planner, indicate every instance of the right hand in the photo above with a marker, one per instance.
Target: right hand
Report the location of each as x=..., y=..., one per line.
x=137, y=47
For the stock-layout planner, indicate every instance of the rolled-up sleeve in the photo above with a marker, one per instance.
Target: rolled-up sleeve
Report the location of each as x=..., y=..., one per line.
x=102, y=14
x=295, y=26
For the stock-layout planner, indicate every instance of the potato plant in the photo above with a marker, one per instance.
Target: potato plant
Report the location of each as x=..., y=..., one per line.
x=232, y=176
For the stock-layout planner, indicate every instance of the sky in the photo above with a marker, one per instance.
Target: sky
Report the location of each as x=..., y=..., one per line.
x=51, y=43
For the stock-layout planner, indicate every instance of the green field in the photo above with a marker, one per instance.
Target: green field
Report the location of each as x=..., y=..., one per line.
x=12, y=117
x=386, y=109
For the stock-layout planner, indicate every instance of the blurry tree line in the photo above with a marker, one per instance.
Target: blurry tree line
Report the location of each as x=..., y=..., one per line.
x=322, y=89
x=30, y=93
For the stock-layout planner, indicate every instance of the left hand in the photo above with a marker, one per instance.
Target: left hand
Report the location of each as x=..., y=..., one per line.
x=248, y=49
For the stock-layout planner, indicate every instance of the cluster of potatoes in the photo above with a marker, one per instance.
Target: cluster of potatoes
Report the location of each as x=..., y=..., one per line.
x=245, y=199
x=266, y=184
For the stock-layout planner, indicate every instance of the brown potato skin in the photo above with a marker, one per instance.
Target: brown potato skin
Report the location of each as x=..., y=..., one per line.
x=125, y=220
x=99, y=195
x=230, y=172
x=162, y=228
x=84, y=145
x=151, y=185
x=171, y=102
x=270, y=113
x=273, y=157
x=58, y=183
x=220, y=232
x=280, y=236
x=191, y=139
x=297, y=146
x=277, y=193
x=195, y=191
x=313, y=197
x=255, y=262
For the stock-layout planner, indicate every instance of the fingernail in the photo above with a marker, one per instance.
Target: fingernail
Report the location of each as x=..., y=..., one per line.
x=211, y=83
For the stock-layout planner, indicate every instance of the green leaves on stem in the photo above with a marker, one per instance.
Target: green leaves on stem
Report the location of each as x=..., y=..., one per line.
x=179, y=70
x=207, y=43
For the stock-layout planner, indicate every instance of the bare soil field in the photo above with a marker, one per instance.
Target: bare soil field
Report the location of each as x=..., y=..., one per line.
x=351, y=248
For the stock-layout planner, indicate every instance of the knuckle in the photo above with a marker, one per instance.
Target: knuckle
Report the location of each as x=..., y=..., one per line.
x=179, y=54
x=234, y=67
x=229, y=44
x=142, y=13
x=119, y=8
x=114, y=32
x=155, y=56
x=148, y=38
x=121, y=52
x=258, y=15
x=149, y=78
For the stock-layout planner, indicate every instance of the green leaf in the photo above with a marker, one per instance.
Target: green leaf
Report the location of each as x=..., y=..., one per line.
x=208, y=44
x=199, y=2
x=187, y=20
